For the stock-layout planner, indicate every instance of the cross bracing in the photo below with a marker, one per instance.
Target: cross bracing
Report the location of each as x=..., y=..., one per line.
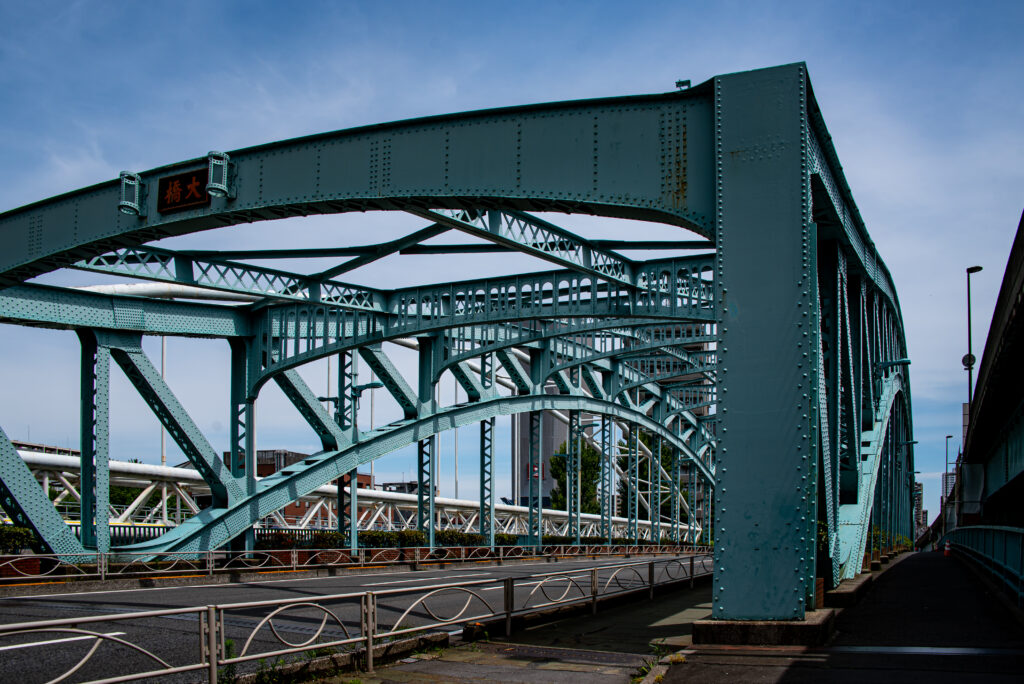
x=742, y=376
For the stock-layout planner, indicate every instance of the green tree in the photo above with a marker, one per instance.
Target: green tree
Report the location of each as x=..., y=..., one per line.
x=667, y=462
x=590, y=473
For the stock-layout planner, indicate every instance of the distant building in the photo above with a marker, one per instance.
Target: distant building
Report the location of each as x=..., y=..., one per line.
x=410, y=487
x=553, y=433
x=948, y=482
x=44, y=448
x=918, y=504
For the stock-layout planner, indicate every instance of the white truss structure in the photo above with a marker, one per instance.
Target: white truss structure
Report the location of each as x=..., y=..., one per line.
x=169, y=494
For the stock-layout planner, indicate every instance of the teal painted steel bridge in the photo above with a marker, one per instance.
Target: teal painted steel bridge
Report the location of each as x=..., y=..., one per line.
x=764, y=356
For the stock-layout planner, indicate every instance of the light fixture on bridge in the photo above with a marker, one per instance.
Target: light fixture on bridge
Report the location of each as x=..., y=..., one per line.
x=133, y=198
x=969, y=359
x=359, y=389
x=683, y=85
x=883, y=366
x=218, y=183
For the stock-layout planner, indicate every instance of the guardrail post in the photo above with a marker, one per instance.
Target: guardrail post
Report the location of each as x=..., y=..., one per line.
x=209, y=563
x=501, y=555
x=593, y=591
x=101, y=561
x=650, y=580
x=510, y=600
x=295, y=558
x=211, y=642
x=369, y=620
x=691, y=572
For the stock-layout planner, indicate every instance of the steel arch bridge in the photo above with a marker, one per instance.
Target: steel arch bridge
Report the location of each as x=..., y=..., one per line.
x=766, y=357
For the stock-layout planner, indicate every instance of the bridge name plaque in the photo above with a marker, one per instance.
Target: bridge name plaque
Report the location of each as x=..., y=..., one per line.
x=183, y=191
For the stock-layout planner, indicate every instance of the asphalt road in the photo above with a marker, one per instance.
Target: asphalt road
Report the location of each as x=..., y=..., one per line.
x=29, y=658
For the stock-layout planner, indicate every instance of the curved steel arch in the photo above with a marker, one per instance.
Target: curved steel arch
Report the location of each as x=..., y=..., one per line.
x=215, y=527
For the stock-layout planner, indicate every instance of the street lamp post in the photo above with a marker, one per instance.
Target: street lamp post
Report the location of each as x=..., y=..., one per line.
x=969, y=360
x=944, y=496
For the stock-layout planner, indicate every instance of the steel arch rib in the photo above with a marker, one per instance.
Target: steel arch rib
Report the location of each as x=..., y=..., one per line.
x=214, y=527
x=854, y=518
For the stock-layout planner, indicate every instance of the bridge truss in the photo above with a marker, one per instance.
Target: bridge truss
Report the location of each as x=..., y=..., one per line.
x=766, y=358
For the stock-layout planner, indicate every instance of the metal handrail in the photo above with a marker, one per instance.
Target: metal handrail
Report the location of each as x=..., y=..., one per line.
x=332, y=609
x=1000, y=550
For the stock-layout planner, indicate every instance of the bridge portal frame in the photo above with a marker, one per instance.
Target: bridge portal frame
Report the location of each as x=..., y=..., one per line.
x=743, y=160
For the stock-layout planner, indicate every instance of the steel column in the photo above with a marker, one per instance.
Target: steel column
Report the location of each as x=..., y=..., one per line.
x=95, y=443
x=633, y=484
x=425, y=512
x=607, y=479
x=535, y=530
x=572, y=474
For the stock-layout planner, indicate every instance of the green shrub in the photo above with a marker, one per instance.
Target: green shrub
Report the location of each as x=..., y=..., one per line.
x=378, y=539
x=14, y=539
x=555, y=540
x=327, y=539
x=411, y=538
x=456, y=538
x=506, y=540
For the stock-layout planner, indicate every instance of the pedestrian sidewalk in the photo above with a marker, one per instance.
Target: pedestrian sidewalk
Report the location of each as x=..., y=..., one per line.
x=926, y=618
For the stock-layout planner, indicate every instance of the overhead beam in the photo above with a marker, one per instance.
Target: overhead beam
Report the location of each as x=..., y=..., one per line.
x=534, y=236
x=67, y=309
x=385, y=249
x=168, y=266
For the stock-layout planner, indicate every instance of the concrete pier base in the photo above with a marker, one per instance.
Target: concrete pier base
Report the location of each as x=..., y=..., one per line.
x=814, y=630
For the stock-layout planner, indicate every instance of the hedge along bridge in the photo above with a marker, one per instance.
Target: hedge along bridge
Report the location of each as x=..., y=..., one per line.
x=767, y=357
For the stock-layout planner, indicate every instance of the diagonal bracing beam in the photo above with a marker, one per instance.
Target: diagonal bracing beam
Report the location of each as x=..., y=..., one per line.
x=303, y=398
x=539, y=238
x=28, y=506
x=385, y=249
x=386, y=371
x=126, y=350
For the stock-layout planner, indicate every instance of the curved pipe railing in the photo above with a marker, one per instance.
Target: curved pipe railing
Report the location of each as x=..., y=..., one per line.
x=269, y=631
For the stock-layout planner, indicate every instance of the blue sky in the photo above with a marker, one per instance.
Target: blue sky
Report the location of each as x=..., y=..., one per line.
x=923, y=101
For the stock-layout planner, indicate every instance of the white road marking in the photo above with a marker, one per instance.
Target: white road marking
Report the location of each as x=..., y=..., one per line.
x=55, y=641
x=422, y=579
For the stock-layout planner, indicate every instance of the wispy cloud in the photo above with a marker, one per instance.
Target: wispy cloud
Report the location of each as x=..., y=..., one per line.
x=924, y=106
